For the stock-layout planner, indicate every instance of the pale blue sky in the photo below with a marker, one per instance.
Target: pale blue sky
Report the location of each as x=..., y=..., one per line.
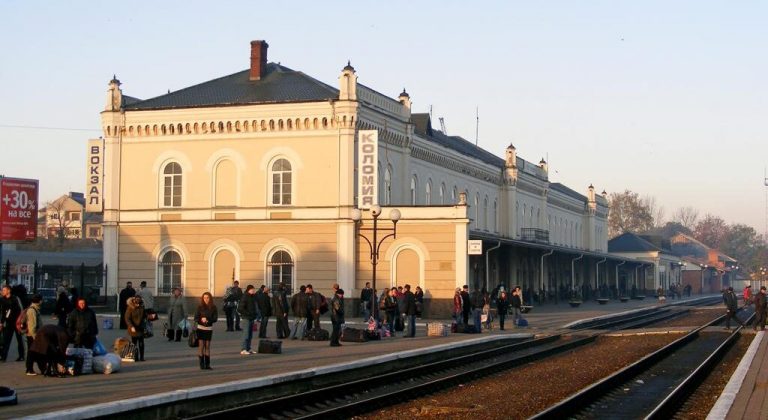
x=664, y=98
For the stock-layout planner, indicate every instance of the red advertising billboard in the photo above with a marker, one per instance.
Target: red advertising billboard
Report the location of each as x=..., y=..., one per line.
x=18, y=209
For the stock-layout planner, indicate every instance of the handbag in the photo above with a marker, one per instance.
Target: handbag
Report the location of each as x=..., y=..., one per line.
x=192, y=339
x=256, y=326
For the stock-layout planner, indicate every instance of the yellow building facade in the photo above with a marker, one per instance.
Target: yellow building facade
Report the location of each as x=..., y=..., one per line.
x=253, y=176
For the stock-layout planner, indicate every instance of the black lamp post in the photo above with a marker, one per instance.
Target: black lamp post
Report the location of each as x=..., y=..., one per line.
x=375, y=243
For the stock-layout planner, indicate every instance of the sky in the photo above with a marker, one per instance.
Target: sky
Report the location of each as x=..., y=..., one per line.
x=666, y=99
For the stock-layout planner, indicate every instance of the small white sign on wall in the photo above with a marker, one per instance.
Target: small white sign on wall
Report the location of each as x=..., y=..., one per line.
x=475, y=247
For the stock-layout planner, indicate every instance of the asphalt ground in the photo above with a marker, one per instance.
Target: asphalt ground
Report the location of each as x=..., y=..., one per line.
x=172, y=366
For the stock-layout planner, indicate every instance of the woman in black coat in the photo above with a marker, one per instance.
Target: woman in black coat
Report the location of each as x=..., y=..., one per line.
x=502, y=306
x=205, y=316
x=63, y=308
x=49, y=349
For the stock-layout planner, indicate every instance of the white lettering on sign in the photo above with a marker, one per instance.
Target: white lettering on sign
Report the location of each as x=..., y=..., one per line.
x=94, y=179
x=367, y=168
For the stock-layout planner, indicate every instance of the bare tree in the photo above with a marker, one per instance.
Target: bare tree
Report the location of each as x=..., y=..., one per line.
x=657, y=212
x=628, y=212
x=686, y=216
x=57, y=220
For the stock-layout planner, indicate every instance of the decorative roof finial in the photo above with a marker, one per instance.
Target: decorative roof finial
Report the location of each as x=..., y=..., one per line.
x=349, y=66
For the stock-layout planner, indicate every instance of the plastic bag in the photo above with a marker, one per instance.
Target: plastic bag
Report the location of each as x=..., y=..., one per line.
x=184, y=324
x=98, y=348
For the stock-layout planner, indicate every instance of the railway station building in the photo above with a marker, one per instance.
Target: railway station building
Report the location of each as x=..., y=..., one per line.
x=269, y=175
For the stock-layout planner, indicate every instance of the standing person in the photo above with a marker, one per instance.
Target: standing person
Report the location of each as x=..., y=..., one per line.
x=313, y=307
x=419, y=295
x=502, y=306
x=205, y=316
x=410, y=311
x=761, y=308
x=250, y=312
x=265, y=309
x=337, y=316
x=135, y=319
x=82, y=325
x=747, y=295
x=299, y=308
x=149, y=304
x=456, y=313
x=122, y=301
x=64, y=307
x=466, y=305
x=176, y=314
x=729, y=298
x=390, y=309
x=11, y=309
x=232, y=297
x=516, y=303
x=280, y=309
x=366, y=298
x=476, y=301
x=33, y=321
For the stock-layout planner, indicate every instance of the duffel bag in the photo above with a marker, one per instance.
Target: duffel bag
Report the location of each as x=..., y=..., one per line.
x=353, y=335
x=318, y=334
x=270, y=346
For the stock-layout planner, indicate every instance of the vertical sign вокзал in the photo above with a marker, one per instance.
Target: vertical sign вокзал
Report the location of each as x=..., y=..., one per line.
x=94, y=176
x=18, y=209
x=367, y=168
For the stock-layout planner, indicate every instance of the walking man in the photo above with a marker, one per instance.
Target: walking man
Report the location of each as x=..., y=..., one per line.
x=731, y=306
x=760, y=309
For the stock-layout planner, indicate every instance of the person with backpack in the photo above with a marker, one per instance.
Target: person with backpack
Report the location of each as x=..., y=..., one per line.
x=32, y=323
x=11, y=308
x=264, y=303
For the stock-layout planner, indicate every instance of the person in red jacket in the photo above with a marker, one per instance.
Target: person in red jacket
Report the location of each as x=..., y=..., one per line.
x=747, y=295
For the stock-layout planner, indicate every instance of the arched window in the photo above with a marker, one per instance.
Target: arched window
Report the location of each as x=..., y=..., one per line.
x=428, y=193
x=281, y=182
x=169, y=271
x=388, y=185
x=172, y=185
x=495, y=216
x=453, y=195
x=414, y=184
x=442, y=193
x=485, y=213
x=280, y=270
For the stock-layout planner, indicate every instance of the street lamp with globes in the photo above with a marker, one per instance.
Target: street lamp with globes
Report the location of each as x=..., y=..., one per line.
x=375, y=243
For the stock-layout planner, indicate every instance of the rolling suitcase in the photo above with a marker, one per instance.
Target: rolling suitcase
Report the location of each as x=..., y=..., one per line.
x=522, y=322
x=270, y=346
x=354, y=335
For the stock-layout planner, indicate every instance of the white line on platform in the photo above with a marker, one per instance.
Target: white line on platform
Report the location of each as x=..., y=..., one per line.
x=724, y=403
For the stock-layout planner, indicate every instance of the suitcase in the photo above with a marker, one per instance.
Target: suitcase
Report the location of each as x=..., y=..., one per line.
x=522, y=322
x=270, y=346
x=467, y=329
x=318, y=334
x=373, y=335
x=436, y=329
x=354, y=335
x=8, y=396
x=454, y=327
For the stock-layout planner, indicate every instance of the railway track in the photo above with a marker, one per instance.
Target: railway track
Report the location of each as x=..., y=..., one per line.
x=653, y=387
x=367, y=394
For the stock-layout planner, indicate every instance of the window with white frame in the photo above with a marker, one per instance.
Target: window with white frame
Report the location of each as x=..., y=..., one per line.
x=414, y=185
x=428, y=193
x=388, y=185
x=280, y=267
x=172, y=177
x=282, y=180
x=169, y=270
x=442, y=193
x=485, y=213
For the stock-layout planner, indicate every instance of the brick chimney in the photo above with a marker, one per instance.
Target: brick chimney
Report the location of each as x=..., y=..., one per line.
x=258, y=59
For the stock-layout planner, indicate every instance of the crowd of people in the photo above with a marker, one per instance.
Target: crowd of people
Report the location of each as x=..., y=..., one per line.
x=44, y=345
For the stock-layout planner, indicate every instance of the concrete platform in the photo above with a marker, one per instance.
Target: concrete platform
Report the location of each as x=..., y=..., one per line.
x=172, y=367
x=746, y=394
